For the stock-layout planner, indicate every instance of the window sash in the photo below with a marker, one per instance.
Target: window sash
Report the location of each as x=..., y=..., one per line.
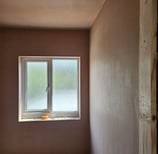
x=25, y=90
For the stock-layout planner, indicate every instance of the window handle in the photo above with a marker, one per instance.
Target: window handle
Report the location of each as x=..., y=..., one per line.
x=47, y=89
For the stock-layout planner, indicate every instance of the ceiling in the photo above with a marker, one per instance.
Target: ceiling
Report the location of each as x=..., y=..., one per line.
x=49, y=13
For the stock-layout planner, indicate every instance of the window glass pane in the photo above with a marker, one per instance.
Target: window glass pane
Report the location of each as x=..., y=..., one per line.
x=65, y=84
x=36, y=85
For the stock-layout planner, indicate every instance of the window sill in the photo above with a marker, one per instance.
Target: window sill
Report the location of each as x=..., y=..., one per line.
x=50, y=119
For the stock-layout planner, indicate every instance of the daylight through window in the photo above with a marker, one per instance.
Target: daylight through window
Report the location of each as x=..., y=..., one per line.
x=49, y=88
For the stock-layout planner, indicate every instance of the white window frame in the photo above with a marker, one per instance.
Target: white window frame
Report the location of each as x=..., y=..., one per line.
x=36, y=115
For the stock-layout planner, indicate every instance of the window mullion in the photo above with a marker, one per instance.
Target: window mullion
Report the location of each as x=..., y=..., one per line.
x=50, y=86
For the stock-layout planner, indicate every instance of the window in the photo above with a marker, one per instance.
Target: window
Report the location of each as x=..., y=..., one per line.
x=49, y=88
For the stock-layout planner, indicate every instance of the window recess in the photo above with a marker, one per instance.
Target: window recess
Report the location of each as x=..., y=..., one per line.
x=49, y=88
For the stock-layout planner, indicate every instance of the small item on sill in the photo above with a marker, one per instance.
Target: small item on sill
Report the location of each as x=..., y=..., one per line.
x=45, y=117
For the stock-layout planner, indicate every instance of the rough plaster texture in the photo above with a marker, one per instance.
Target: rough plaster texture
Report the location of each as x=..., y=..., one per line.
x=114, y=79
x=54, y=137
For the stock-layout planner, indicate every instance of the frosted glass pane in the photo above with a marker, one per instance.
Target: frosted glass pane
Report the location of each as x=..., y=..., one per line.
x=65, y=85
x=36, y=85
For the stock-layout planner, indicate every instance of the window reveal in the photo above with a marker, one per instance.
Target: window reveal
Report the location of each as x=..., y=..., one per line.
x=49, y=87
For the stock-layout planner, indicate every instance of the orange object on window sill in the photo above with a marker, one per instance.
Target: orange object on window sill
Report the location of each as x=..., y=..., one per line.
x=45, y=117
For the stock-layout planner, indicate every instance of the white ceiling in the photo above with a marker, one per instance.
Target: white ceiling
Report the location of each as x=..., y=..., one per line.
x=49, y=13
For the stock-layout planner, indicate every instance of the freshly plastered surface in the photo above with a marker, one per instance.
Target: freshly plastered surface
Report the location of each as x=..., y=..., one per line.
x=114, y=79
x=49, y=13
x=41, y=137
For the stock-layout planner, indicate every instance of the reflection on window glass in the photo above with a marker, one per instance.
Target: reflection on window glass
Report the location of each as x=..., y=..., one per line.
x=36, y=85
x=65, y=84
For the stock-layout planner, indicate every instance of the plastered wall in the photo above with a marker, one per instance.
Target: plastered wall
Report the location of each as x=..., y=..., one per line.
x=114, y=79
x=53, y=137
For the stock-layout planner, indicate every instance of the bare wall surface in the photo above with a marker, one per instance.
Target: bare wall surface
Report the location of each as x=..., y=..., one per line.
x=114, y=79
x=53, y=137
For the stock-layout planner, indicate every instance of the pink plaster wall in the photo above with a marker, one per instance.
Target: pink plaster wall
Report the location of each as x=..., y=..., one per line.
x=53, y=137
x=114, y=78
